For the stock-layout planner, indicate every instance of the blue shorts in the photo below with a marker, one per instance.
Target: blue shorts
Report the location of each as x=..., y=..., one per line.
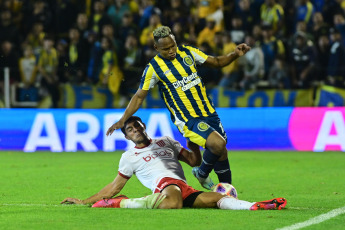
x=198, y=129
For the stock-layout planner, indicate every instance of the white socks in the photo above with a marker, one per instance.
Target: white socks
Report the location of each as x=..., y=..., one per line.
x=234, y=204
x=149, y=202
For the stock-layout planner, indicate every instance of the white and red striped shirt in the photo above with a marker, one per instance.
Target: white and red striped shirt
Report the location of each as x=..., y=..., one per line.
x=152, y=163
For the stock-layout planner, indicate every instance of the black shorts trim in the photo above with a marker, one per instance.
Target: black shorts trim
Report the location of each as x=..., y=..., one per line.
x=189, y=201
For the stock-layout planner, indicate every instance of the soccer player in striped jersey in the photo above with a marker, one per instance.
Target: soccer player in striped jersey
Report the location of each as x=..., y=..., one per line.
x=156, y=164
x=174, y=69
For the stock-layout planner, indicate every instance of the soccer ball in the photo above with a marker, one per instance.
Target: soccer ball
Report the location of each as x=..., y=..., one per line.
x=226, y=189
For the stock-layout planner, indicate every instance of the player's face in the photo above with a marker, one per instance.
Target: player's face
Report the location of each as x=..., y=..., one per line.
x=167, y=47
x=135, y=131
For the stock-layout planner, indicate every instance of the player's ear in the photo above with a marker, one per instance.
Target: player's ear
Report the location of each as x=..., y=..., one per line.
x=155, y=46
x=127, y=137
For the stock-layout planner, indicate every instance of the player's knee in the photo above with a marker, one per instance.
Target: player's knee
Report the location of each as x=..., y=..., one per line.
x=218, y=146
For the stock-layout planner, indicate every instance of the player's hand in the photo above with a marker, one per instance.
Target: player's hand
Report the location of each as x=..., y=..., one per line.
x=242, y=49
x=117, y=125
x=70, y=200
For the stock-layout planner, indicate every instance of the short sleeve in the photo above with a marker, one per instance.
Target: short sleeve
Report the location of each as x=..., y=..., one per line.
x=199, y=56
x=125, y=169
x=175, y=145
x=148, y=79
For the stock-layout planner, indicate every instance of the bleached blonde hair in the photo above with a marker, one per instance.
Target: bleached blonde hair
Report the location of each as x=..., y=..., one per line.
x=161, y=32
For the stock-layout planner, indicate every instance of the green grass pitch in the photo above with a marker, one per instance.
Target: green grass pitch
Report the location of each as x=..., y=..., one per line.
x=33, y=185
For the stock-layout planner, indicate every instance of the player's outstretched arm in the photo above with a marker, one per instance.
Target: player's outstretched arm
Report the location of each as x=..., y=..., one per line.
x=193, y=157
x=222, y=61
x=107, y=192
x=132, y=107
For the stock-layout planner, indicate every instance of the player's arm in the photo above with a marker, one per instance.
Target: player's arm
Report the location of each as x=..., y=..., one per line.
x=193, y=157
x=222, y=61
x=132, y=107
x=107, y=192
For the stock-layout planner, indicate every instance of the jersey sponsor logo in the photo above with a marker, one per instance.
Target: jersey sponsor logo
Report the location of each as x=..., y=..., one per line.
x=168, y=72
x=188, y=61
x=187, y=82
x=161, y=154
x=202, y=126
x=160, y=143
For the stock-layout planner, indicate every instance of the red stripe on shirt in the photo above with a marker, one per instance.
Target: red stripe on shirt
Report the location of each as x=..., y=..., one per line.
x=179, y=155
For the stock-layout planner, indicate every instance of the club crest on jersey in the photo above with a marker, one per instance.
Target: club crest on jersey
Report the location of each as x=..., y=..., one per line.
x=202, y=126
x=188, y=61
x=160, y=143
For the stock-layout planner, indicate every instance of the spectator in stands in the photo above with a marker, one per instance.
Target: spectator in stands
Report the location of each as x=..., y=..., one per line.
x=146, y=36
x=257, y=33
x=39, y=13
x=116, y=11
x=230, y=74
x=82, y=25
x=322, y=57
x=177, y=13
x=128, y=27
x=63, y=65
x=210, y=9
x=248, y=14
x=336, y=63
x=27, y=68
x=147, y=10
x=304, y=12
x=252, y=64
x=47, y=67
x=208, y=33
x=301, y=26
x=302, y=61
x=108, y=31
x=320, y=27
x=9, y=58
x=272, y=13
x=76, y=58
x=133, y=65
x=111, y=75
x=210, y=76
x=180, y=33
x=237, y=32
x=278, y=76
x=99, y=17
x=95, y=58
x=65, y=14
x=339, y=23
x=271, y=47
x=28, y=85
x=35, y=38
x=8, y=31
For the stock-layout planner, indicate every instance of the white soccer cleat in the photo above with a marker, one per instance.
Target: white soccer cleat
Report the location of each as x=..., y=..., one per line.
x=206, y=183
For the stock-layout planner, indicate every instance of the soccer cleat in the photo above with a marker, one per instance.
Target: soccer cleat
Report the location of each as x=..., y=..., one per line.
x=207, y=182
x=276, y=203
x=109, y=203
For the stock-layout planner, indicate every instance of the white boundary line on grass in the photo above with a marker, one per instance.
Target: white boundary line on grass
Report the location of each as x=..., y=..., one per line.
x=315, y=220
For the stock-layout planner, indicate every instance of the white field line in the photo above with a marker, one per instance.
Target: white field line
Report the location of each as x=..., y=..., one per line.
x=315, y=220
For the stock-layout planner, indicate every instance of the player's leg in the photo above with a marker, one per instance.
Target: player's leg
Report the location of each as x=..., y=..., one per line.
x=217, y=200
x=148, y=202
x=173, y=198
x=214, y=200
x=216, y=155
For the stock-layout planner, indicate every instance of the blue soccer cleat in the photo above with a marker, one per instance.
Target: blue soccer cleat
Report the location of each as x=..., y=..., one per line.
x=206, y=183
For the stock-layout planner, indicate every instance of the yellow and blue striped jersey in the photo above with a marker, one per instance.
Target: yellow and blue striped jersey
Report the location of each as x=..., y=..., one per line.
x=179, y=84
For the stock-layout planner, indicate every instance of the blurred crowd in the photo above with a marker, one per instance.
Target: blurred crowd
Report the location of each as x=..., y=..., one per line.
x=46, y=43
